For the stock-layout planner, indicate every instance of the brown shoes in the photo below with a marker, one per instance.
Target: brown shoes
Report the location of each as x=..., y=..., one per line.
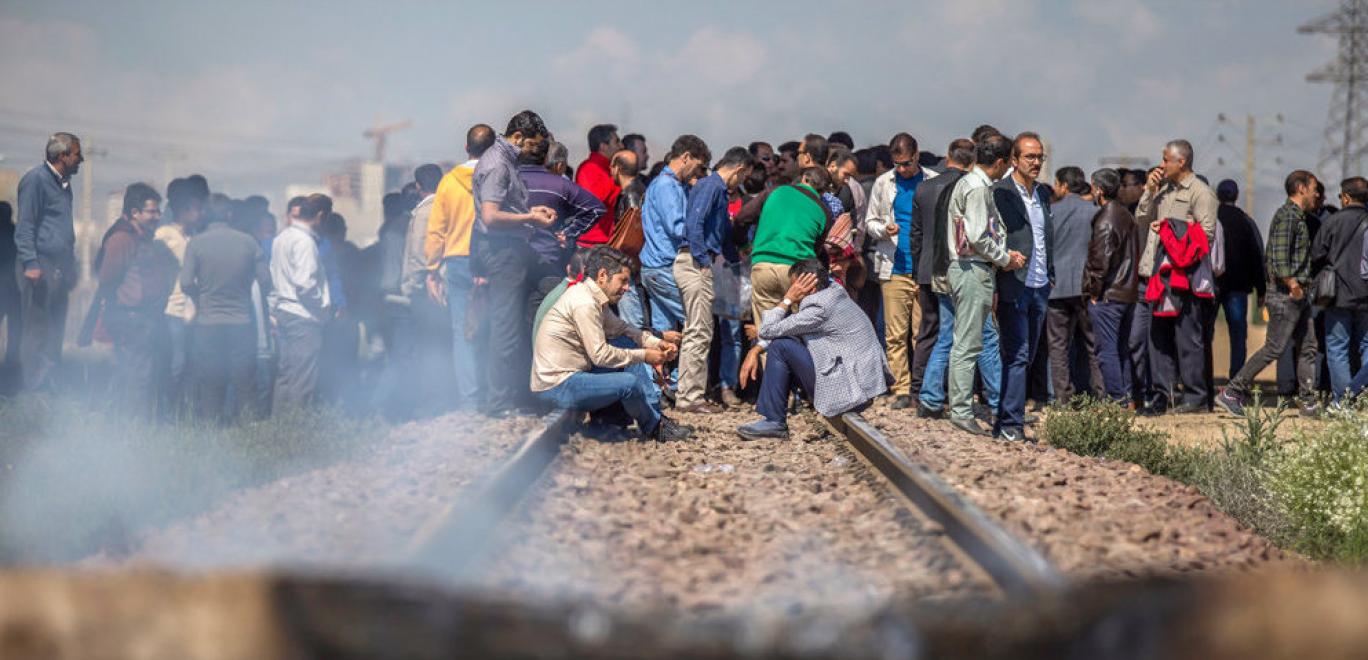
x=702, y=407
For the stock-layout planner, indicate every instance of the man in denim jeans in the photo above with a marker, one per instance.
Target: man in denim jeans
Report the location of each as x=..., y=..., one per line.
x=576, y=366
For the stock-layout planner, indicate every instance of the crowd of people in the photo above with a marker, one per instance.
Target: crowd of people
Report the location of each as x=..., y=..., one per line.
x=811, y=273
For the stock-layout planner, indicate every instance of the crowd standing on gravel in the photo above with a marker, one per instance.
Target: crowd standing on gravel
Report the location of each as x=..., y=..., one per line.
x=959, y=284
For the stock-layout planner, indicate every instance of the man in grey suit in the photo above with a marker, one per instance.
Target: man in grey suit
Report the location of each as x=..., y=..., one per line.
x=828, y=347
x=1073, y=364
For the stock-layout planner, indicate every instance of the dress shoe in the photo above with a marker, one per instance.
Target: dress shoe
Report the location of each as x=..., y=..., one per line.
x=702, y=407
x=1189, y=408
x=669, y=430
x=902, y=402
x=729, y=398
x=926, y=412
x=970, y=426
x=763, y=429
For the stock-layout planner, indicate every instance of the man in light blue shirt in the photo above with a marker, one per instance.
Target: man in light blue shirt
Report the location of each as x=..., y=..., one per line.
x=662, y=224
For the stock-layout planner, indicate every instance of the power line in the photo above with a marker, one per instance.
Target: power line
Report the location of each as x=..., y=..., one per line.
x=1344, y=134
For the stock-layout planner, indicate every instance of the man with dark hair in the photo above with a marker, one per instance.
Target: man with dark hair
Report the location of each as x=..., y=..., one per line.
x=706, y=229
x=662, y=225
x=812, y=151
x=636, y=143
x=1339, y=245
x=135, y=275
x=186, y=203
x=983, y=132
x=842, y=138
x=888, y=222
x=595, y=175
x=440, y=240
x=576, y=211
x=301, y=303
x=930, y=207
x=1289, y=306
x=1109, y=283
x=626, y=175
x=221, y=263
x=45, y=243
x=764, y=157
x=1174, y=193
x=787, y=171
x=976, y=240
x=575, y=366
x=1023, y=293
x=1244, y=272
x=827, y=347
x=1069, y=331
x=505, y=218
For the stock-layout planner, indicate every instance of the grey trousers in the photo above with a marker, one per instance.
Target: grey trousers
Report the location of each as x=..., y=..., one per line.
x=301, y=342
x=972, y=284
x=1290, y=323
x=1067, y=319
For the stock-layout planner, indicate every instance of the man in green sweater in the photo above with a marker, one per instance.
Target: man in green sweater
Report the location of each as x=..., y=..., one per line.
x=790, y=229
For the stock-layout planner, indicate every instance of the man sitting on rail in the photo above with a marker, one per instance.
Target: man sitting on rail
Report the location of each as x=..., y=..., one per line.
x=574, y=365
x=828, y=346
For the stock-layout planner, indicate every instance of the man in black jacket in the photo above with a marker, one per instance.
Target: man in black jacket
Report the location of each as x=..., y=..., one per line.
x=927, y=236
x=1023, y=294
x=1110, y=283
x=1338, y=245
x=1244, y=273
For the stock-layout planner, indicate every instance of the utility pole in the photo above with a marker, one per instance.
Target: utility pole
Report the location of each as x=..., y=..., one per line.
x=1249, y=165
x=1344, y=134
x=380, y=134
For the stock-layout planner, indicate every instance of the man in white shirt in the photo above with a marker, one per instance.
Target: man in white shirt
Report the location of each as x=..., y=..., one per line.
x=301, y=302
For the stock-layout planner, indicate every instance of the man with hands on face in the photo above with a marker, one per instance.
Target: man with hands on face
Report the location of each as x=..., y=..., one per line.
x=576, y=366
x=828, y=347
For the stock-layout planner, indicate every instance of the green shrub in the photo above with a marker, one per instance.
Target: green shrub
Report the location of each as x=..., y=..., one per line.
x=1090, y=427
x=1321, y=481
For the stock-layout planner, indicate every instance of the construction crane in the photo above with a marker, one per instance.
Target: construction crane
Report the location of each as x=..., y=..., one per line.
x=380, y=133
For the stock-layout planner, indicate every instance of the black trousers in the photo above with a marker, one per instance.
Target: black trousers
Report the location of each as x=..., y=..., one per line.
x=224, y=368
x=135, y=335
x=1177, y=354
x=507, y=266
x=1073, y=352
x=926, y=336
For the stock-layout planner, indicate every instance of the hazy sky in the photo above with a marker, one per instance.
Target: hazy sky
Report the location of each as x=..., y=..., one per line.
x=257, y=95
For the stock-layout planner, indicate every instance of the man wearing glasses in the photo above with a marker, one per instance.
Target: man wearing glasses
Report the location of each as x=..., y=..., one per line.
x=1023, y=294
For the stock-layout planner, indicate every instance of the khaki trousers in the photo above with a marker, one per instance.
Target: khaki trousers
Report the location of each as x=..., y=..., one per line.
x=696, y=289
x=902, y=313
x=769, y=283
x=971, y=289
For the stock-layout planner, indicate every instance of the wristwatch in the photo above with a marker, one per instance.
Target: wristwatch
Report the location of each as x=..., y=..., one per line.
x=787, y=303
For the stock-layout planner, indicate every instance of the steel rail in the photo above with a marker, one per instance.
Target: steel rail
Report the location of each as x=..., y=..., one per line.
x=1018, y=569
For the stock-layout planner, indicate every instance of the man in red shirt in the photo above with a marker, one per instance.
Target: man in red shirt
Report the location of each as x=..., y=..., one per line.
x=595, y=175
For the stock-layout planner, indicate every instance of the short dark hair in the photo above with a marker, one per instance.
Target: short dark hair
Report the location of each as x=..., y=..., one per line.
x=536, y=155
x=754, y=147
x=1108, y=181
x=1297, y=179
x=992, y=149
x=983, y=132
x=841, y=137
x=334, y=224
x=136, y=196
x=178, y=195
x=1355, y=188
x=479, y=139
x=607, y=259
x=295, y=202
x=790, y=148
x=1227, y=191
x=884, y=155
x=1132, y=177
x=817, y=177
x=428, y=176
x=805, y=266
x=395, y=205
x=903, y=143
x=600, y=135
x=692, y=145
x=1022, y=137
x=527, y=123
x=1072, y=177
x=198, y=186
x=577, y=259
x=632, y=138
x=960, y=152
x=866, y=161
x=315, y=205
x=620, y=161
x=816, y=147
x=736, y=156
x=839, y=157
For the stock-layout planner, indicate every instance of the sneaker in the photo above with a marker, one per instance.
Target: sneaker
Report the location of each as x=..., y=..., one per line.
x=927, y=412
x=1310, y=411
x=729, y=398
x=762, y=429
x=1230, y=402
x=1011, y=434
x=669, y=430
x=702, y=407
x=970, y=426
x=902, y=402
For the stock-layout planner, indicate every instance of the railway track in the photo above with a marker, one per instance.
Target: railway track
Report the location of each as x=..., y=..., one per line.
x=459, y=541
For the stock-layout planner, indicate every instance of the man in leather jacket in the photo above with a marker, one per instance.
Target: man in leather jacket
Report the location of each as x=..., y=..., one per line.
x=1110, y=282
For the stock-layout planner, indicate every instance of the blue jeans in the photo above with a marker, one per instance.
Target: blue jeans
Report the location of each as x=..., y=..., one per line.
x=932, y=394
x=787, y=362
x=630, y=309
x=459, y=285
x=1142, y=382
x=1235, y=304
x=1022, y=322
x=1344, y=328
x=1111, y=331
x=729, y=361
x=590, y=391
x=667, y=304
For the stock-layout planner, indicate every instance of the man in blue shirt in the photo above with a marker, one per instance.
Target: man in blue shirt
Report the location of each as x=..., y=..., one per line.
x=662, y=224
x=889, y=221
x=706, y=229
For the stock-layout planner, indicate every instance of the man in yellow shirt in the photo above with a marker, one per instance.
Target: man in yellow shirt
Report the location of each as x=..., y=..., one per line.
x=446, y=251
